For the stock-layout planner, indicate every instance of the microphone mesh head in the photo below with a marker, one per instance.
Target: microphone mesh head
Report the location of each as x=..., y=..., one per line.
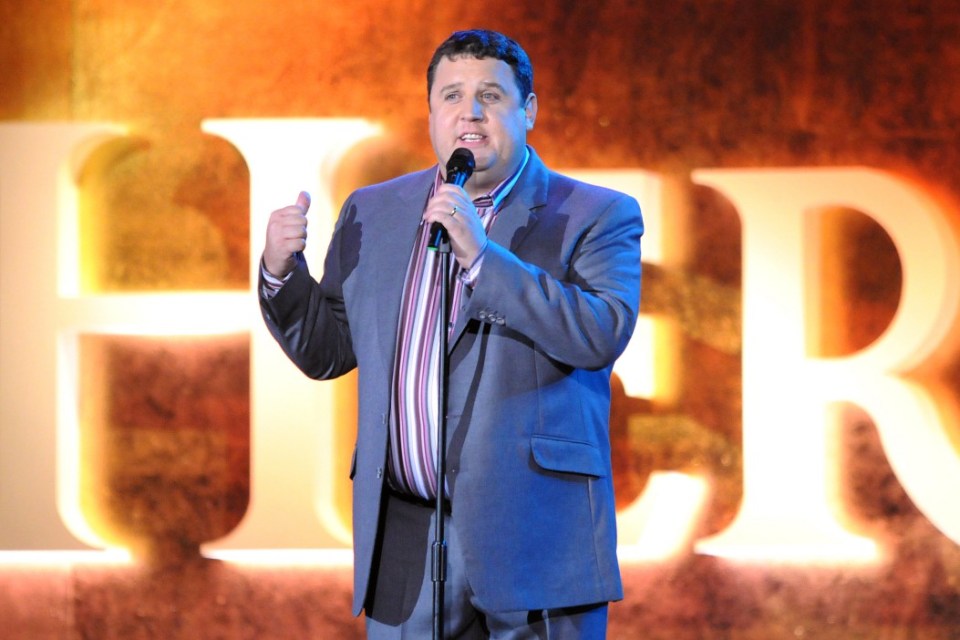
x=461, y=161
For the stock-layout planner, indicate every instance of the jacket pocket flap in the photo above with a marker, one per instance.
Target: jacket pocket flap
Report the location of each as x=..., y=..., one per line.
x=568, y=456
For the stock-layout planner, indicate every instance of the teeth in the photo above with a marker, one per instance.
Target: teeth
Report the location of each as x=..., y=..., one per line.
x=471, y=136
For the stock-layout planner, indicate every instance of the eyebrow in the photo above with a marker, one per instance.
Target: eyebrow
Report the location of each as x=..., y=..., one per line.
x=483, y=85
x=492, y=85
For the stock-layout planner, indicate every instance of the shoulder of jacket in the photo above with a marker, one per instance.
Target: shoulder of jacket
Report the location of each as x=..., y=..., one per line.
x=408, y=181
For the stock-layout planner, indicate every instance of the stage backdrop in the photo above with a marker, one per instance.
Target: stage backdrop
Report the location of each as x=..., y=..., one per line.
x=786, y=446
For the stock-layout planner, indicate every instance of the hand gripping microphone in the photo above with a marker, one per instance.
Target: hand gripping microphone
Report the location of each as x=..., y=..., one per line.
x=459, y=169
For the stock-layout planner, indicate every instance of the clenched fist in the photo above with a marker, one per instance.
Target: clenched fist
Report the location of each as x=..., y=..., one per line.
x=286, y=235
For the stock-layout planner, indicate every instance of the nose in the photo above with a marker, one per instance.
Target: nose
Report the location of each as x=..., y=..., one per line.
x=472, y=110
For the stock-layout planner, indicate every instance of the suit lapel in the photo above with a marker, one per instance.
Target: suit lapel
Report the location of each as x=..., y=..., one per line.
x=520, y=210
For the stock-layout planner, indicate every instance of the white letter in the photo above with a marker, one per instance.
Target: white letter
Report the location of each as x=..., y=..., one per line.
x=292, y=441
x=786, y=512
x=659, y=523
x=39, y=443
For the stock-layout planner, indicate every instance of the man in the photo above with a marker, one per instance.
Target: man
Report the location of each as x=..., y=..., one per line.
x=544, y=298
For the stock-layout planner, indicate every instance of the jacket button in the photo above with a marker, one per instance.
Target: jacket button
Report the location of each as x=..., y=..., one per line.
x=482, y=315
x=379, y=472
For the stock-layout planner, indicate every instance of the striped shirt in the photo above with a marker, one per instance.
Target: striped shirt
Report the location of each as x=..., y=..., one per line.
x=414, y=406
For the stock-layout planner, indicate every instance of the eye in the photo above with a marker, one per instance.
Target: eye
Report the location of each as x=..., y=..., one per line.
x=490, y=96
x=453, y=96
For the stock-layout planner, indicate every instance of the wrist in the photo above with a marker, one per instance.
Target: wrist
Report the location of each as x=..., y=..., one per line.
x=279, y=270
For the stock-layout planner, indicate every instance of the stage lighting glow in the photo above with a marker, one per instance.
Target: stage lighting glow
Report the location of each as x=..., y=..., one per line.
x=789, y=509
x=659, y=525
x=299, y=453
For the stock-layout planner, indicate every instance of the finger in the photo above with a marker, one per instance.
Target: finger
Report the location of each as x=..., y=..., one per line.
x=303, y=201
x=452, y=190
x=294, y=232
x=442, y=207
x=289, y=222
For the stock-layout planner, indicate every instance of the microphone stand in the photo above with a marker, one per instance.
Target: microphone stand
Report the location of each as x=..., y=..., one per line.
x=439, y=549
x=459, y=168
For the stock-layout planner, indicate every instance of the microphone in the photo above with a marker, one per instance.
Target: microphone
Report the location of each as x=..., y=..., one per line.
x=459, y=169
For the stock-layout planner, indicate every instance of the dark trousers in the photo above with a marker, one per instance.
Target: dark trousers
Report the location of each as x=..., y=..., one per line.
x=401, y=602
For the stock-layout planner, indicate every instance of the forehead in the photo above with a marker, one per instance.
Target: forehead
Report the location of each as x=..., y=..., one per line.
x=470, y=71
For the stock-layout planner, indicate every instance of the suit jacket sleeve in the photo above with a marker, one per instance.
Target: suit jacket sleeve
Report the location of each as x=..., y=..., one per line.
x=580, y=309
x=308, y=318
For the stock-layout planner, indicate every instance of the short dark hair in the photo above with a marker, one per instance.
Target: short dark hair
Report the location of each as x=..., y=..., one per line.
x=482, y=43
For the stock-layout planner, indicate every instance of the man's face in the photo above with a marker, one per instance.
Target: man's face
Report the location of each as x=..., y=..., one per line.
x=475, y=104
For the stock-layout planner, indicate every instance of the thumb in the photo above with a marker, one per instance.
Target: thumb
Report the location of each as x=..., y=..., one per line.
x=303, y=201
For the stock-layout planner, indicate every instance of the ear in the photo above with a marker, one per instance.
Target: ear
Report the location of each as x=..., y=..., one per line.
x=530, y=109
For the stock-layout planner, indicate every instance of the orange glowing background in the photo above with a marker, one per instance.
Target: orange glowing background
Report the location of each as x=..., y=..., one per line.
x=669, y=88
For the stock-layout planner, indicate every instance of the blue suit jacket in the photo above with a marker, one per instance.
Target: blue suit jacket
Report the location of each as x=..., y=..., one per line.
x=530, y=360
